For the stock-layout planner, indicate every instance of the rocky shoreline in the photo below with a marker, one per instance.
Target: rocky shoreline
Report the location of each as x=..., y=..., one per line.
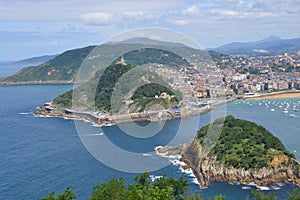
x=206, y=169
x=48, y=109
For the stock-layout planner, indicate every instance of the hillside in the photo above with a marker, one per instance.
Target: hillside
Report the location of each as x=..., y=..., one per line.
x=269, y=46
x=154, y=55
x=243, y=144
x=34, y=60
x=63, y=67
x=101, y=97
x=99, y=90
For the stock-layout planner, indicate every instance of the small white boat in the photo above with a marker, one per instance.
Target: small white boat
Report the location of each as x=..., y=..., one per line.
x=246, y=188
x=272, y=109
x=292, y=115
x=285, y=111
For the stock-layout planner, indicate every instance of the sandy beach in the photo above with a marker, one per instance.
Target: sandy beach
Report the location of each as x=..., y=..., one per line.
x=295, y=94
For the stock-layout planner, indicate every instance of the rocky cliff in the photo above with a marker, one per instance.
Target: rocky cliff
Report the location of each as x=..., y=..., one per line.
x=206, y=168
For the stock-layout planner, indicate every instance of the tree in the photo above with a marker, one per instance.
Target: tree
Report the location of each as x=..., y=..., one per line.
x=67, y=195
x=163, y=188
x=295, y=196
x=114, y=189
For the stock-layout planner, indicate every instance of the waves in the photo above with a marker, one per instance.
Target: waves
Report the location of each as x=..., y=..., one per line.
x=24, y=113
x=176, y=161
x=252, y=185
x=91, y=135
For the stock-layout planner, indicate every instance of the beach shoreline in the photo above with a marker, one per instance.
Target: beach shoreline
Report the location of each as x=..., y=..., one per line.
x=277, y=95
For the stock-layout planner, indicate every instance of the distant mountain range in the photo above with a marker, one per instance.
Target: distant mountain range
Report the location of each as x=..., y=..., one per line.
x=145, y=40
x=35, y=60
x=269, y=46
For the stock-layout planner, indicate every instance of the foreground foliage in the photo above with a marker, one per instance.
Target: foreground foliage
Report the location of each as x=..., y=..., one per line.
x=162, y=188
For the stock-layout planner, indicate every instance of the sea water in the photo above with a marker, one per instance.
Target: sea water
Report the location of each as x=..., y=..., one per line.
x=40, y=154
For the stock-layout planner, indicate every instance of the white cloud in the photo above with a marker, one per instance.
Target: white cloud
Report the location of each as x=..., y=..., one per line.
x=224, y=12
x=180, y=22
x=99, y=18
x=193, y=10
x=102, y=18
x=136, y=15
x=211, y=22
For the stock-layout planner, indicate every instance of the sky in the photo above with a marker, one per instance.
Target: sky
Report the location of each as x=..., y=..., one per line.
x=31, y=28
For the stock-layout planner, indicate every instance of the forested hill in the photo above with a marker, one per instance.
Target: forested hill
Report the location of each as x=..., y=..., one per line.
x=64, y=67
x=105, y=84
x=153, y=55
x=244, y=144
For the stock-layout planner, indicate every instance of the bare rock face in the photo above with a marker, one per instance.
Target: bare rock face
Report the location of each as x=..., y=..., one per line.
x=206, y=168
x=171, y=150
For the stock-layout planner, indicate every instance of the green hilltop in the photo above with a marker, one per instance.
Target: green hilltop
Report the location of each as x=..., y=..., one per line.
x=64, y=67
x=243, y=144
x=148, y=86
x=102, y=96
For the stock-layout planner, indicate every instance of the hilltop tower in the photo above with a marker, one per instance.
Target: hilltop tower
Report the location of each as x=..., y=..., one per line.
x=122, y=61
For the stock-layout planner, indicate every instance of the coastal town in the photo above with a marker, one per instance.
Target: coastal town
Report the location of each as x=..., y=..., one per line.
x=236, y=75
x=204, y=85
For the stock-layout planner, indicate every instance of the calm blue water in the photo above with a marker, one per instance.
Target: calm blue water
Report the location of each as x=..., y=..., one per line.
x=9, y=68
x=40, y=155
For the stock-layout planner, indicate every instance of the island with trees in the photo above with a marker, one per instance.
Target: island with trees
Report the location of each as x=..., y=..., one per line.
x=231, y=149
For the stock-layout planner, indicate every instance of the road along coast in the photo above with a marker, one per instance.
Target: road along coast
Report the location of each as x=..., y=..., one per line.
x=48, y=109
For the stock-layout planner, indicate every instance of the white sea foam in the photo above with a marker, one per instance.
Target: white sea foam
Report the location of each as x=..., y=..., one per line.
x=96, y=134
x=264, y=188
x=196, y=181
x=160, y=154
x=274, y=187
x=188, y=171
x=108, y=124
x=153, y=178
x=246, y=188
x=175, y=160
x=45, y=116
x=146, y=154
x=24, y=113
x=97, y=125
x=166, y=154
x=178, y=163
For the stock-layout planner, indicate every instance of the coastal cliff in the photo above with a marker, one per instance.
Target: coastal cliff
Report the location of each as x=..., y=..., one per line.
x=207, y=167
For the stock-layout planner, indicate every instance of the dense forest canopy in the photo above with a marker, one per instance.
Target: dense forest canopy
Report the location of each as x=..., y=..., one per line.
x=243, y=144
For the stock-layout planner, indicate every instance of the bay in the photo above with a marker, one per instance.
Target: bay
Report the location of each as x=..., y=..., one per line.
x=40, y=155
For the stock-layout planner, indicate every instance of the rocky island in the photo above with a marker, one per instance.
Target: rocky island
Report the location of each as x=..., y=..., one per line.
x=243, y=151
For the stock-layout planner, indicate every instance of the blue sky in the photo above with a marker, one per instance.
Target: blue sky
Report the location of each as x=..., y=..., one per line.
x=38, y=27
